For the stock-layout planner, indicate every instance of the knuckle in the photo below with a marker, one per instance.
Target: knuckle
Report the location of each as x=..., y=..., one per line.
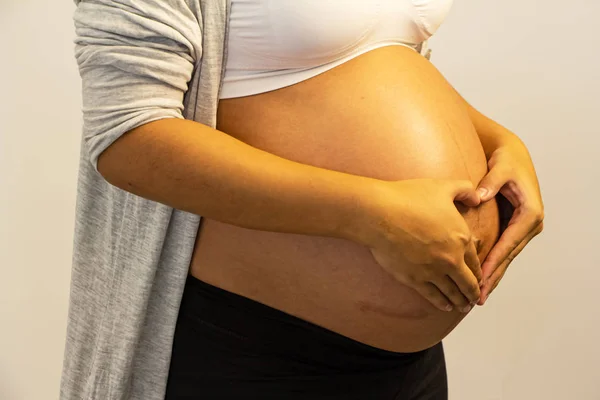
x=457, y=297
x=412, y=278
x=428, y=274
x=540, y=228
x=449, y=261
x=515, y=243
x=537, y=215
x=464, y=238
x=473, y=291
x=451, y=291
x=431, y=292
x=407, y=279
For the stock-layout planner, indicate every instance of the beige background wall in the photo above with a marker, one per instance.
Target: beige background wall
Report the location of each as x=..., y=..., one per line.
x=532, y=65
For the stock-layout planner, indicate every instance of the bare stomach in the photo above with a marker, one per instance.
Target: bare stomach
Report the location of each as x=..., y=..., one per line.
x=388, y=114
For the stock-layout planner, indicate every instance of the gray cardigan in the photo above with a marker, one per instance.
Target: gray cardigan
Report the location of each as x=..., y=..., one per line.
x=139, y=61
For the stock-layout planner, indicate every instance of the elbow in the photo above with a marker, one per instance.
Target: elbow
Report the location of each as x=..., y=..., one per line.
x=112, y=157
x=109, y=164
x=118, y=153
x=104, y=165
x=124, y=160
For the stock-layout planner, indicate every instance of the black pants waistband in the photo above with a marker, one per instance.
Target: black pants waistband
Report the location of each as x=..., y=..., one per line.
x=281, y=332
x=229, y=347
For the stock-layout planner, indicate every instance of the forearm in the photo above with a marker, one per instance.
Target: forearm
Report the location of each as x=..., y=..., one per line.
x=491, y=134
x=192, y=167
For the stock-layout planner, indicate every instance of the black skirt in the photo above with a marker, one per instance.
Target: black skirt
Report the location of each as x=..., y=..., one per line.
x=228, y=347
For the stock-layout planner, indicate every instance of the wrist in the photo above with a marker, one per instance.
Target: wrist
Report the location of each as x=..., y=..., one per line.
x=492, y=135
x=363, y=226
x=492, y=141
x=509, y=145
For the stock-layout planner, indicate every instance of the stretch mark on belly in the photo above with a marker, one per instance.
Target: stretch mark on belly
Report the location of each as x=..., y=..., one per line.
x=478, y=222
x=462, y=157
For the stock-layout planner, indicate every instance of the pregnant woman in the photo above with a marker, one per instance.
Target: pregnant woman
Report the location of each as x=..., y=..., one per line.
x=335, y=170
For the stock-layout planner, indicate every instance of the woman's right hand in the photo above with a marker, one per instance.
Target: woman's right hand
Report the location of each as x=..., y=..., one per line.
x=416, y=233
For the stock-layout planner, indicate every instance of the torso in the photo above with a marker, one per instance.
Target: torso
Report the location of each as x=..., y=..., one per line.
x=387, y=114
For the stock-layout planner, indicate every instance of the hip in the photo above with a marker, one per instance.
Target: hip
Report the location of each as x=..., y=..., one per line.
x=228, y=347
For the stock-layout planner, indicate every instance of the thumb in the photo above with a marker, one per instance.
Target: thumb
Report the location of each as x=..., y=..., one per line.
x=464, y=191
x=491, y=184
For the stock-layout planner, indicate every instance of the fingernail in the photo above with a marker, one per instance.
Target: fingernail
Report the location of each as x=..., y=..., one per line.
x=448, y=307
x=466, y=309
x=482, y=192
x=481, y=283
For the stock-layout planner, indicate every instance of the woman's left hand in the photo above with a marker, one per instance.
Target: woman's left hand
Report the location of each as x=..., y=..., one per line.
x=511, y=173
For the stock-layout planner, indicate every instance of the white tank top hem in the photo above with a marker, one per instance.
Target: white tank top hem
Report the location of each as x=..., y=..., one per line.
x=251, y=84
x=273, y=44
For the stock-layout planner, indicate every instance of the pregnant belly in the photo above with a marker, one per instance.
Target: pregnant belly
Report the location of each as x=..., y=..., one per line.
x=388, y=114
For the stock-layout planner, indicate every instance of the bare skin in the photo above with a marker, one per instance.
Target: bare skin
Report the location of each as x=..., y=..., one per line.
x=388, y=114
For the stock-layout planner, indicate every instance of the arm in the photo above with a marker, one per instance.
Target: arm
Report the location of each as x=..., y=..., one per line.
x=511, y=174
x=192, y=167
x=491, y=134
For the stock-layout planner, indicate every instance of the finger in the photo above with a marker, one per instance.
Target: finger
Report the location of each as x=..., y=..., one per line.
x=466, y=282
x=472, y=261
x=432, y=294
x=519, y=226
x=493, y=281
x=453, y=293
x=498, y=274
x=491, y=183
x=464, y=191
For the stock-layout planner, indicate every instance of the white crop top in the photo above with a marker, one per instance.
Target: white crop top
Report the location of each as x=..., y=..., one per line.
x=277, y=43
